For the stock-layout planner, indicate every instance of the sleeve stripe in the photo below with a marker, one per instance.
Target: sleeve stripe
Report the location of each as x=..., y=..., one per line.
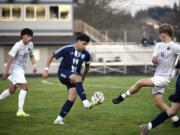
x=57, y=51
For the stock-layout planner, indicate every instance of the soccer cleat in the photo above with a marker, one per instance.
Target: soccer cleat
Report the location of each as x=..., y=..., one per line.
x=59, y=121
x=117, y=100
x=176, y=124
x=87, y=104
x=144, y=129
x=22, y=114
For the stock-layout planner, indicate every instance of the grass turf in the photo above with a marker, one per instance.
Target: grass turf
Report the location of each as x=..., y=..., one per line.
x=44, y=102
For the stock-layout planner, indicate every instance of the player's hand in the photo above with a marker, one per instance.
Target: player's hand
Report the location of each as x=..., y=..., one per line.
x=34, y=70
x=5, y=76
x=155, y=60
x=45, y=74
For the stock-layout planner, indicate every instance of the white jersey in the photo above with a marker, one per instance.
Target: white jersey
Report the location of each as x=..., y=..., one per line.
x=166, y=53
x=20, y=53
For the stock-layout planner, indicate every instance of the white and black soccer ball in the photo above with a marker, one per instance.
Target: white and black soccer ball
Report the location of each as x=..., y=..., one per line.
x=97, y=97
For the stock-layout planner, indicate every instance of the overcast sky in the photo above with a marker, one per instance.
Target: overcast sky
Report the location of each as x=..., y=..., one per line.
x=133, y=6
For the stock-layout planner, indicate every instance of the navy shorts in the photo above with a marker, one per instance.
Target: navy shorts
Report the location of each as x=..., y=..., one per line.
x=176, y=96
x=64, y=78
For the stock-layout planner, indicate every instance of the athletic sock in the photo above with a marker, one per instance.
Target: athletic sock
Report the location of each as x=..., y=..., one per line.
x=21, y=99
x=5, y=94
x=149, y=126
x=175, y=118
x=80, y=91
x=126, y=94
x=66, y=108
x=159, y=119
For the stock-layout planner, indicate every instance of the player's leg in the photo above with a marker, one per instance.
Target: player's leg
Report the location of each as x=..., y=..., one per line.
x=160, y=118
x=77, y=81
x=72, y=93
x=11, y=89
x=68, y=78
x=134, y=89
x=18, y=77
x=175, y=98
x=158, y=101
x=8, y=92
x=21, y=99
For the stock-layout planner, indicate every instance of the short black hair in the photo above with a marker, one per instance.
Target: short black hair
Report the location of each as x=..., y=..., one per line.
x=83, y=37
x=26, y=31
x=166, y=28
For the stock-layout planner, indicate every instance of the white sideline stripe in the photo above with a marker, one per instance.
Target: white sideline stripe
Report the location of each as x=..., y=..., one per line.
x=47, y=82
x=125, y=88
x=102, y=86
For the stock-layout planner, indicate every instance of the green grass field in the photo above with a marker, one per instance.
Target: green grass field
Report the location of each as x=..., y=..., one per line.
x=44, y=102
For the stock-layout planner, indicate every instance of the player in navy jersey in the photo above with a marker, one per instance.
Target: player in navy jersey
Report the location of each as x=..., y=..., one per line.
x=73, y=56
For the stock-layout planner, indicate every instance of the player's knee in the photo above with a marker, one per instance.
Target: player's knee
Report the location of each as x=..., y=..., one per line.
x=78, y=79
x=72, y=97
x=24, y=87
x=158, y=103
x=139, y=83
x=12, y=89
x=75, y=78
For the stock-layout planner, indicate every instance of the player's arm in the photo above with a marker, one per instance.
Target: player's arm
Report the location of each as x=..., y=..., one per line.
x=57, y=54
x=5, y=74
x=86, y=70
x=12, y=53
x=33, y=61
x=87, y=66
x=155, y=60
x=49, y=60
x=155, y=56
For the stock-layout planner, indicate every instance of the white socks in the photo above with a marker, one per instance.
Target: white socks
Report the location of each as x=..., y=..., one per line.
x=5, y=94
x=149, y=126
x=21, y=99
x=126, y=94
x=175, y=118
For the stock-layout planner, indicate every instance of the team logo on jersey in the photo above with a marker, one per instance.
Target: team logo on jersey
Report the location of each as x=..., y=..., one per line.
x=162, y=54
x=82, y=56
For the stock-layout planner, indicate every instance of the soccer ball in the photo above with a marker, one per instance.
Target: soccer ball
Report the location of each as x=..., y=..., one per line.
x=97, y=97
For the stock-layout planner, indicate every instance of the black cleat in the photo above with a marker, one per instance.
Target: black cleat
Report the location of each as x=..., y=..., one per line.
x=176, y=124
x=117, y=100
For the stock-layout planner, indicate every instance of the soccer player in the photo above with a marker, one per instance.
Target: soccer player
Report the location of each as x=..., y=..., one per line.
x=175, y=107
x=17, y=60
x=73, y=56
x=164, y=57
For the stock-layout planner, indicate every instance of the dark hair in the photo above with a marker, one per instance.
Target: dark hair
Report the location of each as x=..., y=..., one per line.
x=83, y=37
x=26, y=31
x=166, y=28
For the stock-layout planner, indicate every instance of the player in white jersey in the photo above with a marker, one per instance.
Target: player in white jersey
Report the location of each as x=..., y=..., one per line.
x=17, y=60
x=164, y=57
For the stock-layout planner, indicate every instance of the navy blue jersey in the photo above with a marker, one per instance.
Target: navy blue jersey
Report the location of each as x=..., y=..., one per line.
x=72, y=59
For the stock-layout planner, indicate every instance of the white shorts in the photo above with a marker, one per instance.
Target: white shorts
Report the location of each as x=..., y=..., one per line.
x=160, y=84
x=17, y=76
